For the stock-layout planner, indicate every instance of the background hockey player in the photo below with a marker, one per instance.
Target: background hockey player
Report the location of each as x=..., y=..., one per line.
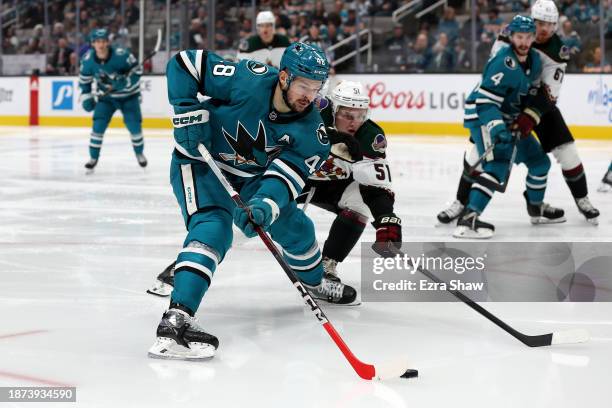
x=262, y=128
x=354, y=181
x=266, y=46
x=542, y=116
x=490, y=110
x=606, y=182
x=115, y=70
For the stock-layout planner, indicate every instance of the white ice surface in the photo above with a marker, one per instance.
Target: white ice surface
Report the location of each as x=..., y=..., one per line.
x=77, y=253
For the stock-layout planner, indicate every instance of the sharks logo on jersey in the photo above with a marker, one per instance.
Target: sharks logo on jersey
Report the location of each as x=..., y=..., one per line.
x=257, y=67
x=249, y=150
x=246, y=149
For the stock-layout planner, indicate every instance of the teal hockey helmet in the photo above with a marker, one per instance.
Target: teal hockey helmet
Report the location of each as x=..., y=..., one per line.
x=98, y=34
x=305, y=60
x=521, y=24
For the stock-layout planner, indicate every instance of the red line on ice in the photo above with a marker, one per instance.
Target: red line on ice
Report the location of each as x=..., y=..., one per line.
x=34, y=379
x=6, y=336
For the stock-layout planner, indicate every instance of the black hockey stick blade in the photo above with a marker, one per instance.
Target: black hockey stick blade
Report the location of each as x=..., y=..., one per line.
x=555, y=338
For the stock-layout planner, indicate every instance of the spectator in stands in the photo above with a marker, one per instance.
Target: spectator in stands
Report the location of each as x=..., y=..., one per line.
x=441, y=56
x=569, y=36
x=319, y=12
x=483, y=50
x=395, y=50
x=595, y=65
x=58, y=31
x=59, y=63
x=384, y=7
x=73, y=68
x=197, y=35
x=350, y=25
x=418, y=55
x=463, y=61
x=494, y=23
x=466, y=29
x=222, y=38
x=132, y=13
x=449, y=25
x=314, y=37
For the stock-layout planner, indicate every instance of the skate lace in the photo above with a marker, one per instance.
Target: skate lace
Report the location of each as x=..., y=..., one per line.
x=455, y=208
x=585, y=204
x=333, y=289
x=329, y=266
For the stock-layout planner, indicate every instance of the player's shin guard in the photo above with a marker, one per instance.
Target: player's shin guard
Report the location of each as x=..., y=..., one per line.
x=95, y=144
x=137, y=143
x=573, y=171
x=344, y=234
x=193, y=272
x=536, y=187
x=480, y=195
x=306, y=262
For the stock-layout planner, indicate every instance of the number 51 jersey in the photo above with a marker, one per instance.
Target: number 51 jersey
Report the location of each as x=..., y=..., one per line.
x=245, y=134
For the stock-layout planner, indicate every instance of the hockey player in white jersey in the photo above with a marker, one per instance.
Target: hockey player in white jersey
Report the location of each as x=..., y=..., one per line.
x=266, y=46
x=542, y=116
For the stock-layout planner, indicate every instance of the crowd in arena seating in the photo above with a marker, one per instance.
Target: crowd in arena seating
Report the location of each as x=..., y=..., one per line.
x=440, y=41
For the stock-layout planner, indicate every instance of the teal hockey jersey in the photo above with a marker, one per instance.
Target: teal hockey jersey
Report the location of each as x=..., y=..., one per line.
x=119, y=62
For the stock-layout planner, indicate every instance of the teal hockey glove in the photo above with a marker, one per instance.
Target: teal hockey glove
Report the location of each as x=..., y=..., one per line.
x=263, y=212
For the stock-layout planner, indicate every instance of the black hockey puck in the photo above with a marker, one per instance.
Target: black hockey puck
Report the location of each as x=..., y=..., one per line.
x=410, y=373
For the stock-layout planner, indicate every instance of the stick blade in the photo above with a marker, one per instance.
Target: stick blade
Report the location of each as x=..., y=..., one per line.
x=570, y=336
x=393, y=369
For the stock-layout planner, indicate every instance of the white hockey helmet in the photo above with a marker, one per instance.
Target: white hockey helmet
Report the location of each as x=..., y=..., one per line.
x=265, y=17
x=545, y=10
x=350, y=94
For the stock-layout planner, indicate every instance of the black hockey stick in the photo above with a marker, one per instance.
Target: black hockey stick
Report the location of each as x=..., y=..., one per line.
x=366, y=371
x=559, y=337
x=137, y=66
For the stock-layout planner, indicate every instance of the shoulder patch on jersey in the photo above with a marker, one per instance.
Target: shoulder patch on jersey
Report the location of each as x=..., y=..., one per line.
x=322, y=103
x=564, y=52
x=322, y=134
x=244, y=45
x=510, y=62
x=380, y=143
x=120, y=51
x=257, y=68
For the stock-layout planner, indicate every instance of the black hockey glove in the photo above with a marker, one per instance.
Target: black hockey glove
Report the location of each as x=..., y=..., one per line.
x=388, y=233
x=349, y=141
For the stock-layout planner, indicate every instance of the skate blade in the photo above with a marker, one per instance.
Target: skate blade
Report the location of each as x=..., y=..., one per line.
x=160, y=289
x=544, y=220
x=604, y=188
x=467, y=233
x=593, y=221
x=167, y=349
x=89, y=172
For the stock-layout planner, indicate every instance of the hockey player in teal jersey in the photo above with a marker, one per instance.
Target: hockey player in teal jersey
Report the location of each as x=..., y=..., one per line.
x=489, y=111
x=113, y=70
x=261, y=127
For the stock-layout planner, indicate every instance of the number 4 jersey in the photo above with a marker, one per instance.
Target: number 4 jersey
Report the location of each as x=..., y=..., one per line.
x=245, y=134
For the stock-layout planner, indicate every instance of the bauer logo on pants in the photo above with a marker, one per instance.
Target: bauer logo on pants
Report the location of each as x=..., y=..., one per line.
x=62, y=95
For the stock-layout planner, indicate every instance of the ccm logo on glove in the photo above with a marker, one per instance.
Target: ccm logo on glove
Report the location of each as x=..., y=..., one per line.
x=190, y=118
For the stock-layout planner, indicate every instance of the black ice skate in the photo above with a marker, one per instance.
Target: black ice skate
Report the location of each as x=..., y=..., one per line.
x=469, y=226
x=90, y=165
x=606, y=183
x=586, y=208
x=543, y=213
x=329, y=268
x=179, y=337
x=142, y=160
x=451, y=213
x=164, y=283
x=334, y=292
